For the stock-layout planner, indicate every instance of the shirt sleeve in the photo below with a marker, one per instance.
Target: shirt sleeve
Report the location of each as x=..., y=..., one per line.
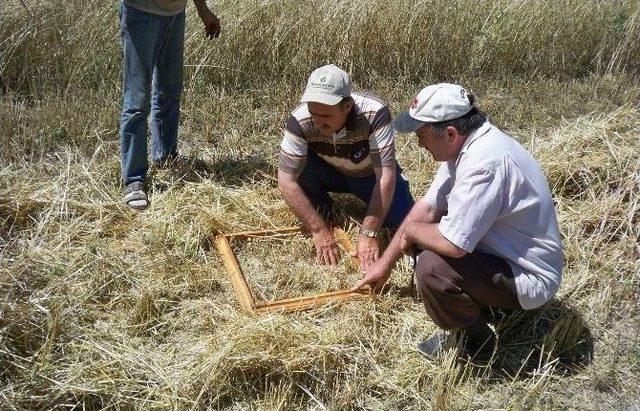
x=440, y=188
x=474, y=203
x=381, y=139
x=293, y=149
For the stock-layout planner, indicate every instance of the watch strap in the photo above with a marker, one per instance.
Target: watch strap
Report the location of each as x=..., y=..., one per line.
x=368, y=233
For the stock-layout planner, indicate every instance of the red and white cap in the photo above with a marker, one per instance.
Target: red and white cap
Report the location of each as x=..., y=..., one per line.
x=434, y=104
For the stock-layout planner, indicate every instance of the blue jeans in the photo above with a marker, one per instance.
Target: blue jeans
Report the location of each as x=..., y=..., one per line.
x=319, y=178
x=152, y=48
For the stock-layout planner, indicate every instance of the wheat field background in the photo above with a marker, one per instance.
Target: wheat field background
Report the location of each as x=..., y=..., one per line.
x=105, y=308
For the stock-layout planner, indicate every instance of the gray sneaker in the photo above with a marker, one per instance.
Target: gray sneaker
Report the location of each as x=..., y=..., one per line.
x=435, y=344
x=473, y=346
x=135, y=196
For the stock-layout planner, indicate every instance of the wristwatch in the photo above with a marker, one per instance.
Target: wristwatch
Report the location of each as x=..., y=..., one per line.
x=368, y=233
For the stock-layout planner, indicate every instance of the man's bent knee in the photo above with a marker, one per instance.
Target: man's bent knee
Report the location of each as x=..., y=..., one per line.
x=433, y=272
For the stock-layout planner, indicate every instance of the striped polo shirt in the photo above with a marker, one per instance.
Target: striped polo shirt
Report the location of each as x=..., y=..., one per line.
x=366, y=141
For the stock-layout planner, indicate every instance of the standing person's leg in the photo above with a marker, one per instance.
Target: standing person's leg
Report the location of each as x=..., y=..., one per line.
x=402, y=202
x=139, y=34
x=167, y=88
x=454, y=290
x=318, y=179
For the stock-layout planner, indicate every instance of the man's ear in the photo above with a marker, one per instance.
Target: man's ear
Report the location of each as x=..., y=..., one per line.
x=452, y=134
x=347, y=106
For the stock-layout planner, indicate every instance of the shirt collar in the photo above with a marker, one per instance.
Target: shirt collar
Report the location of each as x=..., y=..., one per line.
x=350, y=124
x=477, y=133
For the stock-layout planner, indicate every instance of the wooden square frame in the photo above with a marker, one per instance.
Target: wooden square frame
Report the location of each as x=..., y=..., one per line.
x=243, y=292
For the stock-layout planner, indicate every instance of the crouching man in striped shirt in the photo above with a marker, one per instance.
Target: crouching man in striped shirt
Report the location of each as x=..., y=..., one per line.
x=342, y=142
x=486, y=232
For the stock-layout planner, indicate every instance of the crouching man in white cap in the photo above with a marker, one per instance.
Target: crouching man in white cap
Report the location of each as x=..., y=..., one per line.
x=486, y=231
x=339, y=141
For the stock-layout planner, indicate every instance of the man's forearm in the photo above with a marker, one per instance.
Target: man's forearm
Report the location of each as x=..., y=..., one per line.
x=428, y=236
x=421, y=212
x=297, y=200
x=381, y=199
x=201, y=6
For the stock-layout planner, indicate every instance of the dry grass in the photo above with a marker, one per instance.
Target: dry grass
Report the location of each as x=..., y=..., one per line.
x=405, y=40
x=278, y=268
x=101, y=307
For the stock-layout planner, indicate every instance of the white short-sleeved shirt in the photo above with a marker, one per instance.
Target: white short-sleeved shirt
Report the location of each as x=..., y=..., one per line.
x=497, y=200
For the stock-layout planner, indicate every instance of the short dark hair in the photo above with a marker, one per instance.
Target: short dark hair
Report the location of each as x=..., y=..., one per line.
x=466, y=124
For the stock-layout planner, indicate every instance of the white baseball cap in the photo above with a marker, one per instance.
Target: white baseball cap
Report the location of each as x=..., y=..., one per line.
x=327, y=85
x=433, y=104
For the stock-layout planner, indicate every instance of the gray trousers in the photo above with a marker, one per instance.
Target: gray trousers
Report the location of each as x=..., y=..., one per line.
x=454, y=290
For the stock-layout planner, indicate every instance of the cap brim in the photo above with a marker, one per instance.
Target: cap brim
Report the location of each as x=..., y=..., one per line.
x=311, y=97
x=404, y=123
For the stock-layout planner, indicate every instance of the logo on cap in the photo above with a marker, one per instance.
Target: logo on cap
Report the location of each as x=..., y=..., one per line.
x=323, y=79
x=414, y=102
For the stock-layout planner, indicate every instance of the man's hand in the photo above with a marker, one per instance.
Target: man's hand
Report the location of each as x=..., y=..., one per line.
x=367, y=251
x=211, y=24
x=376, y=276
x=327, y=251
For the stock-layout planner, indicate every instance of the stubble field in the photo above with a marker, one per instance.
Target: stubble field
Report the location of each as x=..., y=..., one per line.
x=105, y=308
